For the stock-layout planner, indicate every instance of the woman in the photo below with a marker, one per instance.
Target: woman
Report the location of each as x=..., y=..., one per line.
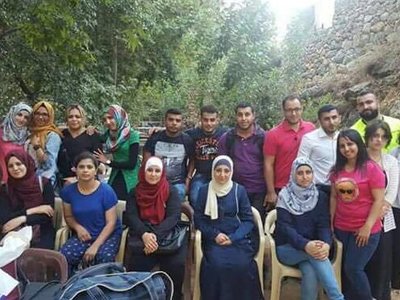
x=357, y=195
x=30, y=200
x=76, y=140
x=90, y=211
x=151, y=214
x=122, y=142
x=303, y=234
x=379, y=268
x=395, y=280
x=224, y=217
x=45, y=141
x=13, y=132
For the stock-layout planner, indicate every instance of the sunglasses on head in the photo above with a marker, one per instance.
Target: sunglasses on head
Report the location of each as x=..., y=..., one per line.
x=349, y=192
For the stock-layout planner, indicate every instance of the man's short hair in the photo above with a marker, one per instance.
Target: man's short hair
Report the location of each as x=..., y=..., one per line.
x=326, y=108
x=172, y=111
x=244, y=105
x=365, y=92
x=290, y=98
x=208, y=109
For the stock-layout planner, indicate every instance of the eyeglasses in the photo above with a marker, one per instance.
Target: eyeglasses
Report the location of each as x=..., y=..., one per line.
x=44, y=115
x=293, y=110
x=349, y=192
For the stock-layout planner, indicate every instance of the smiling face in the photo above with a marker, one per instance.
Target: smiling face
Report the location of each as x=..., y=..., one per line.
x=86, y=170
x=153, y=174
x=74, y=119
x=209, y=122
x=304, y=176
x=110, y=122
x=245, y=118
x=16, y=169
x=330, y=121
x=22, y=118
x=368, y=107
x=222, y=174
x=348, y=148
x=292, y=111
x=41, y=116
x=173, y=123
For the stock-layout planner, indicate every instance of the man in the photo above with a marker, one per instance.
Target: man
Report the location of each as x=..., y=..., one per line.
x=368, y=109
x=174, y=147
x=281, y=146
x=319, y=145
x=205, y=140
x=244, y=145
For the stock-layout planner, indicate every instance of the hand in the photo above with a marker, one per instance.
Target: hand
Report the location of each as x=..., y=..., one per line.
x=187, y=185
x=270, y=200
x=83, y=234
x=90, y=130
x=362, y=235
x=154, y=130
x=323, y=252
x=13, y=223
x=385, y=208
x=150, y=242
x=41, y=209
x=100, y=156
x=90, y=253
x=313, y=247
x=35, y=140
x=222, y=239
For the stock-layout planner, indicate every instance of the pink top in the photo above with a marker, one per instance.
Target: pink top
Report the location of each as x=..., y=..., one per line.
x=283, y=143
x=354, y=198
x=5, y=148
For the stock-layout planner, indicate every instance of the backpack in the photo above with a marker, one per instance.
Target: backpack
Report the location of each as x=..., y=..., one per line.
x=108, y=281
x=230, y=141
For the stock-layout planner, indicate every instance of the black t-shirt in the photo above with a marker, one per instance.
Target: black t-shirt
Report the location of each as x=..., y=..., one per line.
x=72, y=147
x=205, y=148
x=174, y=151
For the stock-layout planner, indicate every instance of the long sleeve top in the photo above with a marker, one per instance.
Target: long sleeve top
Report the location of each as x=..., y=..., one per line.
x=138, y=227
x=391, y=168
x=235, y=217
x=298, y=230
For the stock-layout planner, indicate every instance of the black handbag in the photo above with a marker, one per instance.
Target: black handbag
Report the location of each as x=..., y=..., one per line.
x=168, y=245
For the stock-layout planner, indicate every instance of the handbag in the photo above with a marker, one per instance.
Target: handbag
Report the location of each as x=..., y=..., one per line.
x=168, y=245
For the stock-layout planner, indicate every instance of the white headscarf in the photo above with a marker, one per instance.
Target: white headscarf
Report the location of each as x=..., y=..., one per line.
x=12, y=132
x=154, y=162
x=218, y=190
x=294, y=198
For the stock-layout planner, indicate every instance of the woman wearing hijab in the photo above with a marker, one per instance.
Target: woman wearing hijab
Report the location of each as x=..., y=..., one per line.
x=30, y=200
x=224, y=217
x=122, y=142
x=76, y=140
x=14, y=132
x=151, y=214
x=303, y=234
x=45, y=141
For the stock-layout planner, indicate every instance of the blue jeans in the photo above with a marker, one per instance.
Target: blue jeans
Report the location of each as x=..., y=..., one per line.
x=355, y=280
x=181, y=191
x=312, y=271
x=197, y=181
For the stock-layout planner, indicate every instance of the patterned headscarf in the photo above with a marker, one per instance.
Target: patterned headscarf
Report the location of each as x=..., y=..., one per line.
x=294, y=198
x=218, y=190
x=122, y=134
x=43, y=131
x=12, y=132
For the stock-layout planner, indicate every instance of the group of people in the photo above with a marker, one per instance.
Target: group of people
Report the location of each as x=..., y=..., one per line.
x=324, y=183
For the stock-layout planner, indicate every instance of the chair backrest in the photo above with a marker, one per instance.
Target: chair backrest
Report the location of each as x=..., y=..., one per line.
x=58, y=217
x=121, y=206
x=42, y=265
x=269, y=229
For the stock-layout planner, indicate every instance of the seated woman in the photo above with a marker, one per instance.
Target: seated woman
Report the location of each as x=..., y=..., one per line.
x=28, y=200
x=45, y=140
x=90, y=211
x=303, y=235
x=224, y=217
x=75, y=141
x=14, y=132
x=151, y=214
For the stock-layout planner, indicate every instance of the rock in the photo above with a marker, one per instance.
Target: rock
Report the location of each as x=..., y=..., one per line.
x=381, y=68
x=338, y=58
x=367, y=18
x=352, y=92
x=312, y=92
x=377, y=27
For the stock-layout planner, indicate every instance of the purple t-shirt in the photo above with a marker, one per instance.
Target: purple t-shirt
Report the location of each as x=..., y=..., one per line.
x=248, y=160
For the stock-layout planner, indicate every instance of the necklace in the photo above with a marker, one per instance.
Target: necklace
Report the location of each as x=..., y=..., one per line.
x=88, y=190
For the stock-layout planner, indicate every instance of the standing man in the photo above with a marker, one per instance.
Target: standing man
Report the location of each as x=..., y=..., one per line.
x=368, y=109
x=244, y=145
x=281, y=146
x=319, y=145
x=175, y=148
x=205, y=140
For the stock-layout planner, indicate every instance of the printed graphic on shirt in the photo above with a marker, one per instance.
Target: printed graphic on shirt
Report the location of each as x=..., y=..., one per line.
x=206, y=148
x=173, y=156
x=346, y=189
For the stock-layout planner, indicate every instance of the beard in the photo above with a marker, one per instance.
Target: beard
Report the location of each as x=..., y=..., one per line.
x=368, y=115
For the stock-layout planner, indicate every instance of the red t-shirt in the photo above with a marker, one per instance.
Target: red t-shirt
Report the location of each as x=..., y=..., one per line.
x=354, y=198
x=283, y=143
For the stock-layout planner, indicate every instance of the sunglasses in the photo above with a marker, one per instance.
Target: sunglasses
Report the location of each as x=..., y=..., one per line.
x=349, y=192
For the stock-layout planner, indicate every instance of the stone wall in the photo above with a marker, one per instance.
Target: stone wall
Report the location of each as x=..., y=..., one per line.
x=357, y=26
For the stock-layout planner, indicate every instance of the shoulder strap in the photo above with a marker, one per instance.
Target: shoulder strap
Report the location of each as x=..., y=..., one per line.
x=40, y=183
x=237, y=200
x=229, y=143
